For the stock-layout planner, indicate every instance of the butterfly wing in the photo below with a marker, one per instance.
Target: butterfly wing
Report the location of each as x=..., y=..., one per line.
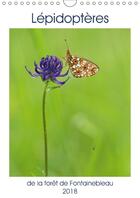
x=81, y=67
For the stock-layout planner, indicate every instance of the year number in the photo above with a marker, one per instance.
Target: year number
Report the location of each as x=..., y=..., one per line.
x=70, y=191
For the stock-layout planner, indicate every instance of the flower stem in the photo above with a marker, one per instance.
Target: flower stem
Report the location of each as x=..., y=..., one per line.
x=45, y=130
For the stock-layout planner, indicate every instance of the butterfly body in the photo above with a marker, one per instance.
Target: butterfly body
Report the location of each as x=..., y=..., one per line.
x=80, y=67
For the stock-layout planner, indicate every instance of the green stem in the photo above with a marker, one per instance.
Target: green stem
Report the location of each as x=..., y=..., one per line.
x=45, y=129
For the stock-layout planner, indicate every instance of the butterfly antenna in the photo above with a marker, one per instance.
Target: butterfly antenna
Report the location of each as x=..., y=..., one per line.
x=66, y=43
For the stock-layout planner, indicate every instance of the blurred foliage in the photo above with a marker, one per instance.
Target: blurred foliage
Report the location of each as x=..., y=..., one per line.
x=88, y=119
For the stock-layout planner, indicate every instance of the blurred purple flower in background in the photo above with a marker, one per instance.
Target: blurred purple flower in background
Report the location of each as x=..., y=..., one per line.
x=49, y=69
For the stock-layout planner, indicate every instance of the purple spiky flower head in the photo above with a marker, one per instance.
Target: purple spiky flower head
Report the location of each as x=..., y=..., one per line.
x=49, y=69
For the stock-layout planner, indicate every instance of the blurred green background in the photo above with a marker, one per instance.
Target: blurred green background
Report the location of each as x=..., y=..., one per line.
x=88, y=119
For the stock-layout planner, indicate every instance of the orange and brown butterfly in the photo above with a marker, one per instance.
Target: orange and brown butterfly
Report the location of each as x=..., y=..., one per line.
x=80, y=67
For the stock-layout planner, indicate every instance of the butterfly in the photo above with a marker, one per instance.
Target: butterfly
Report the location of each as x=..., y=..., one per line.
x=80, y=67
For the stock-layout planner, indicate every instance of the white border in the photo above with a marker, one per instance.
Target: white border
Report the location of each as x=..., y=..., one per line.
x=121, y=17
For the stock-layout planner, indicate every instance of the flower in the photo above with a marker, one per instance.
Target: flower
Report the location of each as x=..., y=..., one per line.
x=49, y=68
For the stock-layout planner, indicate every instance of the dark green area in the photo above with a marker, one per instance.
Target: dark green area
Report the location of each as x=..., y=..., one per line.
x=88, y=119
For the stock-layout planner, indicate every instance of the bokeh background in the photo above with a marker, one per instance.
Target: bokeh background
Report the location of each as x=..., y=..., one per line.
x=88, y=119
